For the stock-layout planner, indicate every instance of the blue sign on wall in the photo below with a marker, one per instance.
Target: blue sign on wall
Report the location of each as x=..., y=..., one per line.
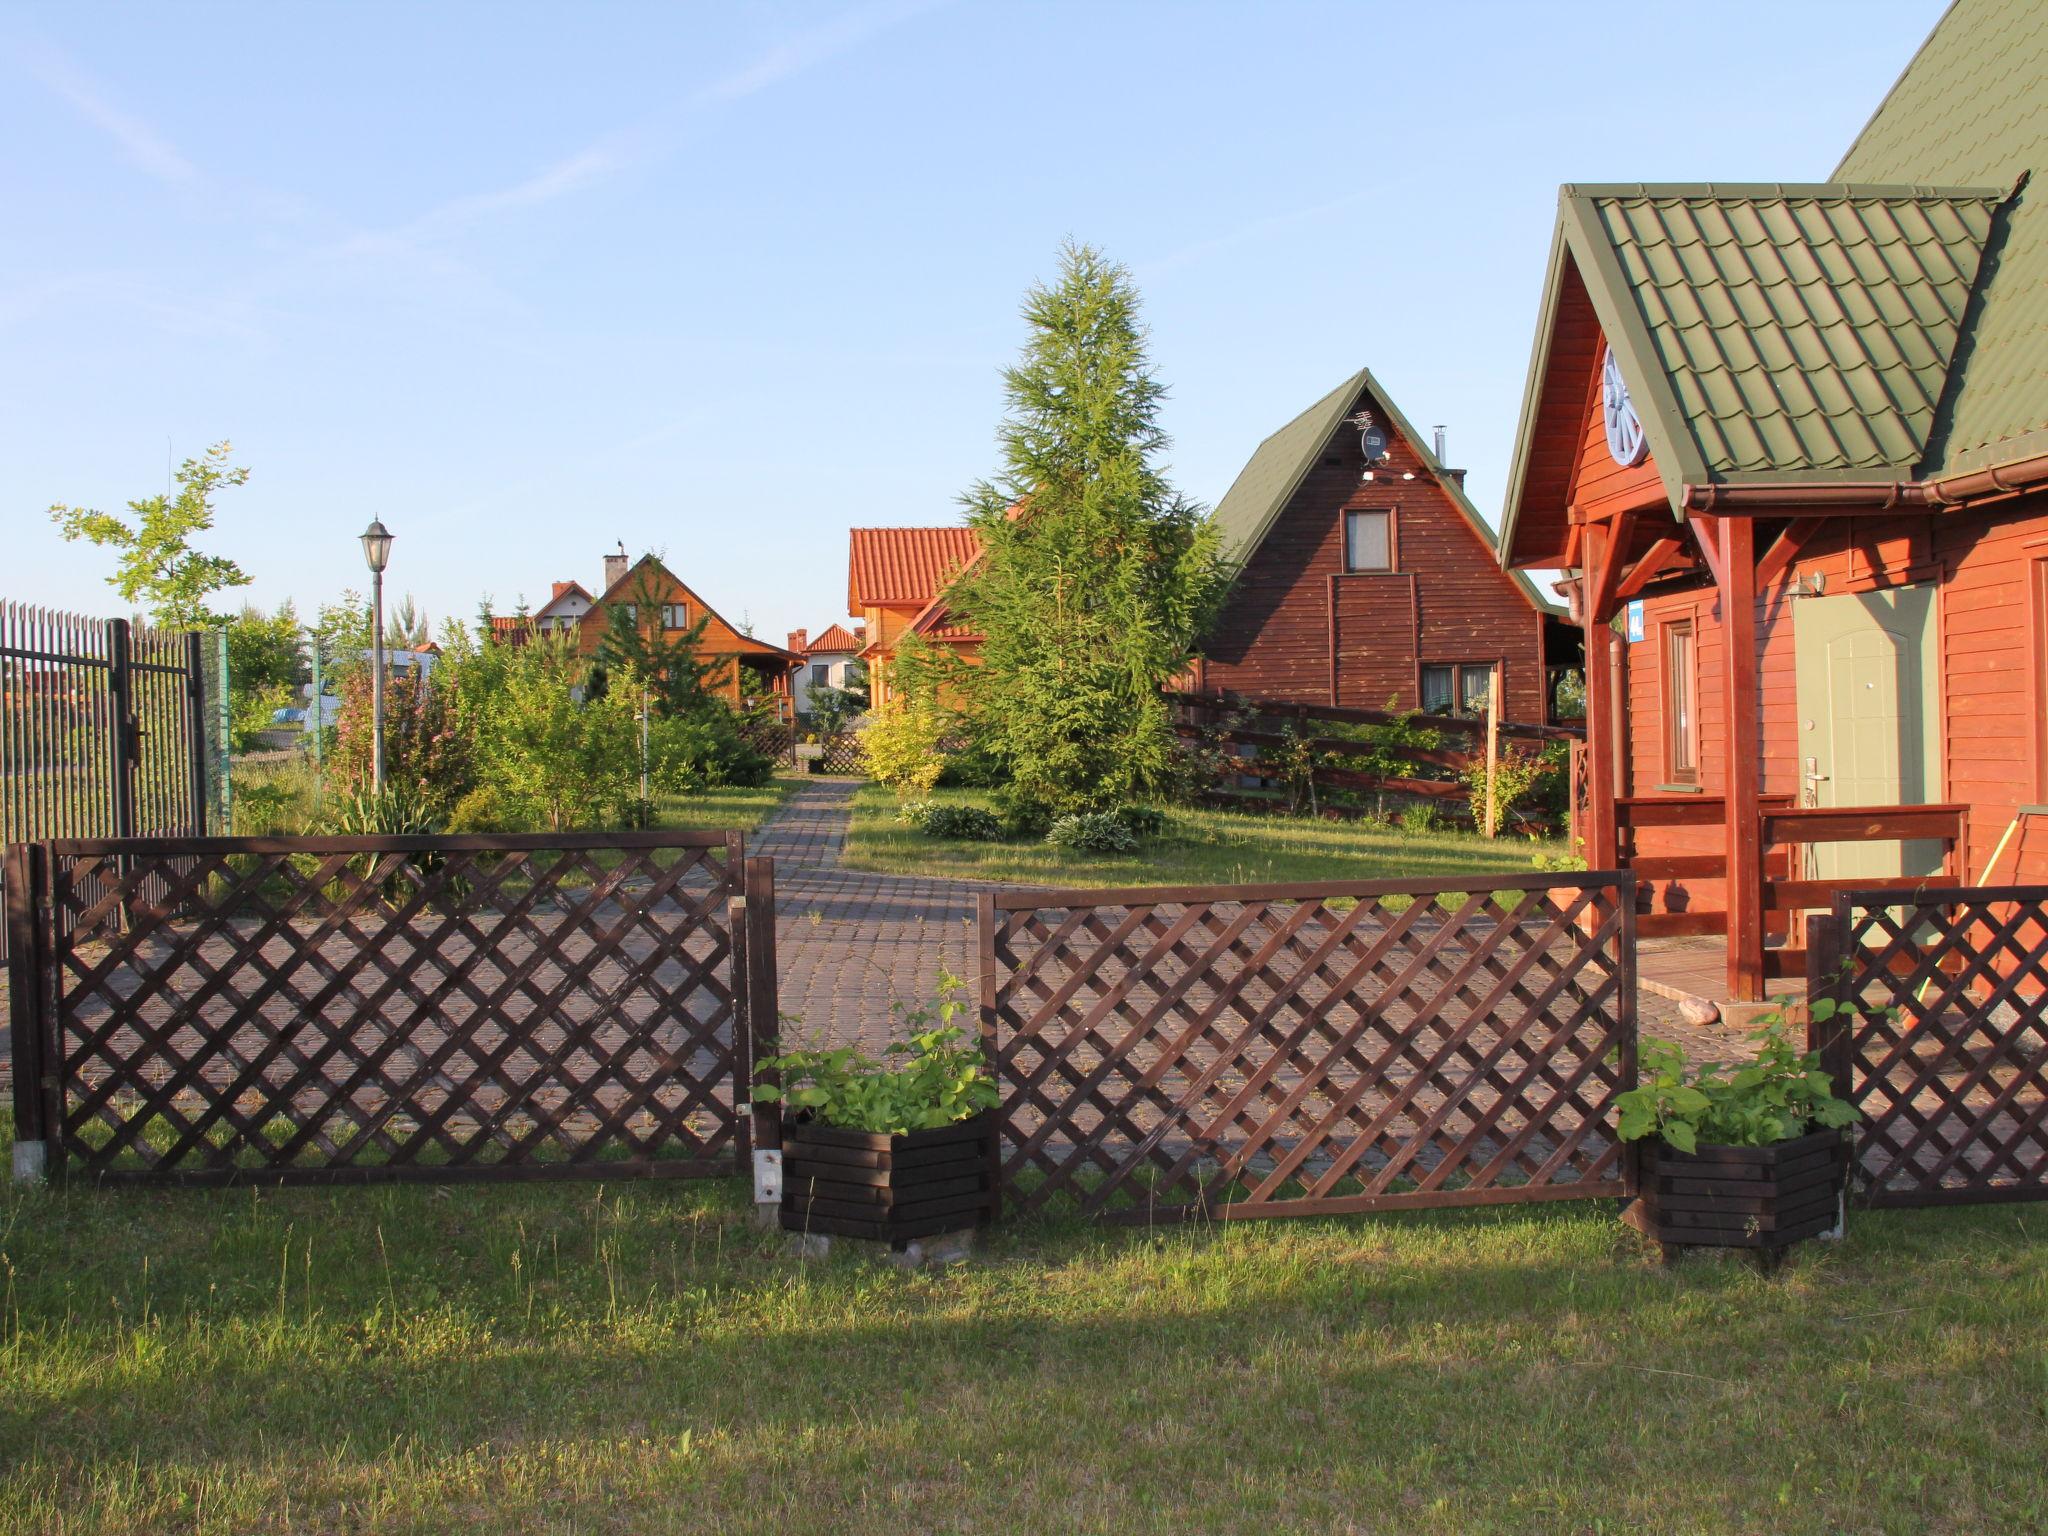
x=1635, y=621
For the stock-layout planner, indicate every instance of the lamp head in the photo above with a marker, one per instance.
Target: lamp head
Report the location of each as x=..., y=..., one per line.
x=377, y=547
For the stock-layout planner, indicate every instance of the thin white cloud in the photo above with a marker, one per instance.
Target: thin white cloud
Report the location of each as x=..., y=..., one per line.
x=144, y=147
x=619, y=151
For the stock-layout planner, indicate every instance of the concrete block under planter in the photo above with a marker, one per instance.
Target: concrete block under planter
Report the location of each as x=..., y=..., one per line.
x=1762, y=1198
x=888, y=1188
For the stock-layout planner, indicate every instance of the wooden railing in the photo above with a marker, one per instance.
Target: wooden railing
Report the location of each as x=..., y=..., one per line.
x=1269, y=728
x=1787, y=830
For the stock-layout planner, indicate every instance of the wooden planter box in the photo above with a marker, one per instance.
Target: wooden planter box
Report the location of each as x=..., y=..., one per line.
x=1765, y=1198
x=889, y=1188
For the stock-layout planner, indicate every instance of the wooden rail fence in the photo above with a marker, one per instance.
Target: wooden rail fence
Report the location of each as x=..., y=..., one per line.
x=1258, y=735
x=318, y=1010
x=1309, y=1049
x=1941, y=1039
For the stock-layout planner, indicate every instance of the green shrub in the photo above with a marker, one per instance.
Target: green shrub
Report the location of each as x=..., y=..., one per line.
x=973, y=767
x=1022, y=819
x=1420, y=818
x=401, y=811
x=963, y=823
x=900, y=746
x=929, y=1080
x=1093, y=832
x=487, y=808
x=1779, y=1095
x=1143, y=820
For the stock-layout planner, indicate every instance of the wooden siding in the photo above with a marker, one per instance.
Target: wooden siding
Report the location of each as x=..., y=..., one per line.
x=1992, y=692
x=1293, y=608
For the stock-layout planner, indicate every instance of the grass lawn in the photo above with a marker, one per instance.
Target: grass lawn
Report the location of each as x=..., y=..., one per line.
x=709, y=810
x=638, y=1358
x=1201, y=847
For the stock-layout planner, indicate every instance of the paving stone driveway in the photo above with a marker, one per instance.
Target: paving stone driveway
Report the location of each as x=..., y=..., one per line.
x=850, y=942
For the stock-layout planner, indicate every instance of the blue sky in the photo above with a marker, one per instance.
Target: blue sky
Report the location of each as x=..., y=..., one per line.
x=723, y=281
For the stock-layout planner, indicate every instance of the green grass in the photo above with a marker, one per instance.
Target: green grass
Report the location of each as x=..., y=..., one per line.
x=715, y=810
x=638, y=1358
x=1201, y=847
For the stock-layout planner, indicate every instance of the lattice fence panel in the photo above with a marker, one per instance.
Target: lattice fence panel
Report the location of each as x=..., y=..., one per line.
x=349, y=1008
x=1946, y=1052
x=1300, y=1050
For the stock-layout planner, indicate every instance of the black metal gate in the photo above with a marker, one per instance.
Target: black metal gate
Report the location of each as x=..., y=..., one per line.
x=101, y=729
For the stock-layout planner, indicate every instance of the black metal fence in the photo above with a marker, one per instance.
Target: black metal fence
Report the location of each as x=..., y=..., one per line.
x=101, y=731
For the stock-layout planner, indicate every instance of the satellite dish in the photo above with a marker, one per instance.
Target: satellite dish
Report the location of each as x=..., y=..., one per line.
x=1372, y=437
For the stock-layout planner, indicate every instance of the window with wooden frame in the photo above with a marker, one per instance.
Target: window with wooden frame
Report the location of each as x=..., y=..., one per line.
x=675, y=615
x=1456, y=688
x=1681, y=706
x=1369, y=540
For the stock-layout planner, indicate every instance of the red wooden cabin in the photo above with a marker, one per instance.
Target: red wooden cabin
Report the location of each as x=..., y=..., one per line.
x=1793, y=443
x=1372, y=582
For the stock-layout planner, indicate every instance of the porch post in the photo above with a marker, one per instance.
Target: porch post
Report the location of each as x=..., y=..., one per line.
x=1742, y=779
x=1602, y=845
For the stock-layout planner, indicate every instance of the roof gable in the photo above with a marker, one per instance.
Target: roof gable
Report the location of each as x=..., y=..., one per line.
x=627, y=587
x=905, y=566
x=1766, y=333
x=835, y=639
x=1276, y=469
x=1972, y=107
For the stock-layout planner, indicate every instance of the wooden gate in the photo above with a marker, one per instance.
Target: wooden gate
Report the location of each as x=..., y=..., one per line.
x=1310, y=1049
x=314, y=1010
x=1941, y=1039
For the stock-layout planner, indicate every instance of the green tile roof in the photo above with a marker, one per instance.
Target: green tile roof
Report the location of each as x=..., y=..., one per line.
x=1782, y=331
x=1972, y=107
x=1253, y=503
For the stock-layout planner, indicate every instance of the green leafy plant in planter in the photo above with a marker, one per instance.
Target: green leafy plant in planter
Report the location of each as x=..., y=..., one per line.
x=1743, y=1156
x=933, y=1078
x=895, y=1147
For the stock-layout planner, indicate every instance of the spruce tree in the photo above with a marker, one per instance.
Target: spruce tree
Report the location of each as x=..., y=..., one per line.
x=1098, y=576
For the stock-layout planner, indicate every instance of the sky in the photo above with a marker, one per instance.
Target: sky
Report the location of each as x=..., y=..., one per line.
x=722, y=281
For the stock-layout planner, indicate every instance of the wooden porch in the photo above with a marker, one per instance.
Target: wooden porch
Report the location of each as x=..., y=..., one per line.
x=1752, y=890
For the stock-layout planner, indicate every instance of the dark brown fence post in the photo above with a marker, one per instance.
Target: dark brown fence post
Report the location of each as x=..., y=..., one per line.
x=1630, y=1073
x=1830, y=1036
x=985, y=949
x=764, y=1029
x=195, y=725
x=23, y=883
x=121, y=729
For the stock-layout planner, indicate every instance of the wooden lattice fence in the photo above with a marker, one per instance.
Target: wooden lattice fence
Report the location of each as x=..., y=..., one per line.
x=1941, y=1041
x=304, y=1010
x=1291, y=1050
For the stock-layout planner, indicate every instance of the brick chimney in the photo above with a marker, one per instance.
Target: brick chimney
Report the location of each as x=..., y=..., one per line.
x=615, y=568
x=797, y=637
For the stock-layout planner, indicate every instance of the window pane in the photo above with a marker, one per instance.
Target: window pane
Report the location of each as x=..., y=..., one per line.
x=821, y=675
x=1436, y=690
x=1366, y=545
x=1474, y=681
x=1678, y=705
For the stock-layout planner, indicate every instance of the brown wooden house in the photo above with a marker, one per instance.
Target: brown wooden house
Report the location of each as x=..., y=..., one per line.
x=650, y=595
x=1372, y=581
x=1793, y=441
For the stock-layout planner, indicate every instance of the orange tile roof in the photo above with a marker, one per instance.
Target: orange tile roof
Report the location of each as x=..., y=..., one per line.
x=905, y=565
x=834, y=639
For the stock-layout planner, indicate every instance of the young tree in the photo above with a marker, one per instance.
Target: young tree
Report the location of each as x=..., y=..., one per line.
x=635, y=640
x=406, y=627
x=1098, y=576
x=157, y=567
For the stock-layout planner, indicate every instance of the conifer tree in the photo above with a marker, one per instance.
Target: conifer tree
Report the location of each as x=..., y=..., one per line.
x=1098, y=576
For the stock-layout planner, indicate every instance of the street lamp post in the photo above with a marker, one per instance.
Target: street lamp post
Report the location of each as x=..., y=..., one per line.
x=377, y=552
